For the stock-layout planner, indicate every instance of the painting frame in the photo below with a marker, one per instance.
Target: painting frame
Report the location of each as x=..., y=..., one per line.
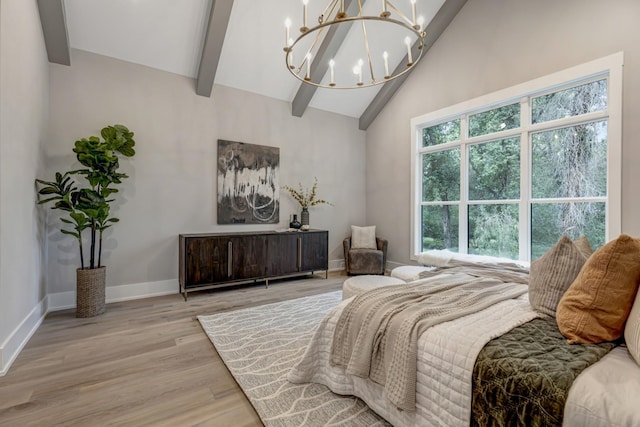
x=248, y=183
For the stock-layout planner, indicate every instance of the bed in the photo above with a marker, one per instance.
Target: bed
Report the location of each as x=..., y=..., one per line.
x=605, y=393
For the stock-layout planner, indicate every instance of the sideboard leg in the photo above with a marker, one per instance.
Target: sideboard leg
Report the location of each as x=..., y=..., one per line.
x=184, y=294
x=326, y=274
x=266, y=283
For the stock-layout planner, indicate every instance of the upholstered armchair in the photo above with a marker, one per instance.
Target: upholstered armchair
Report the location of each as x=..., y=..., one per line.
x=365, y=258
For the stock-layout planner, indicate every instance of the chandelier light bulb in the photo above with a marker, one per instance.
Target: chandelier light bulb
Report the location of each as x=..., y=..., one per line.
x=290, y=55
x=287, y=38
x=385, y=56
x=308, y=77
x=413, y=11
x=358, y=71
x=407, y=41
x=332, y=63
x=304, y=28
x=420, y=22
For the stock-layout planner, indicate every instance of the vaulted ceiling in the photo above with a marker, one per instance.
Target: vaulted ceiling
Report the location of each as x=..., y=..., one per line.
x=236, y=43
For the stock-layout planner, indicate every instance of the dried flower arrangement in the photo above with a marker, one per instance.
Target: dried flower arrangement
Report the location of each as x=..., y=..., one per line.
x=306, y=198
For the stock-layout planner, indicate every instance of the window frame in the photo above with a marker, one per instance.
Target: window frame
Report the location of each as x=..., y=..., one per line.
x=609, y=67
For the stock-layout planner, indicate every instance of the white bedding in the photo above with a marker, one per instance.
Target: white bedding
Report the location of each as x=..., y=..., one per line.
x=447, y=354
x=607, y=393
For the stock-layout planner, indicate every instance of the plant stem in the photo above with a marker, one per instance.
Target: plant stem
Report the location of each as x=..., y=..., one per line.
x=100, y=250
x=93, y=243
x=81, y=255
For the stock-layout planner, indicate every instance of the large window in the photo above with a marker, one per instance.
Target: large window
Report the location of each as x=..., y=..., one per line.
x=509, y=173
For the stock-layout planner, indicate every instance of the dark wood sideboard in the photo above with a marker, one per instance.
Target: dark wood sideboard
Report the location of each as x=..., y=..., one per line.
x=220, y=259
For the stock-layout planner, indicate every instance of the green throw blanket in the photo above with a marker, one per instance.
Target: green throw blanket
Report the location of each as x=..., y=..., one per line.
x=523, y=377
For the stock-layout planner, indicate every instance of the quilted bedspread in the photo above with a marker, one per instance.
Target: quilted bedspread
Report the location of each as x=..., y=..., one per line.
x=377, y=334
x=522, y=378
x=446, y=356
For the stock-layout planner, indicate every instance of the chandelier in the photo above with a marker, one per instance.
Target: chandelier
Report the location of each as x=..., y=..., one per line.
x=389, y=31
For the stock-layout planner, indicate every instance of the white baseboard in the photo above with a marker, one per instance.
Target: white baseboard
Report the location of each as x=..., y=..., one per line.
x=336, y=264
x=65, y=300
x=392, y=264
x=14, y=344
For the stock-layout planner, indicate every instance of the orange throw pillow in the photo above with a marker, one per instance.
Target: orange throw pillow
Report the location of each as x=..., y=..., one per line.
x=596, y=306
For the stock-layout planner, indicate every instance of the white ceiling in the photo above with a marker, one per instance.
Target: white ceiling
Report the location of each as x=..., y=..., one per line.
x=169, y=35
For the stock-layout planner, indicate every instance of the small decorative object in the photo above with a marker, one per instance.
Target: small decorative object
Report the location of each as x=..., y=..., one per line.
x=306, y=199
x=89, y=206
x=294, y=222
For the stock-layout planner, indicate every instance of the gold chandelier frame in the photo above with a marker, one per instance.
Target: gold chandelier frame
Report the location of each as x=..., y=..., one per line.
x=302, y=71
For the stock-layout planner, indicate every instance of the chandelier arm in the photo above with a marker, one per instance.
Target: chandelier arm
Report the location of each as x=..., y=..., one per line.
x=331, y=5
x=402, y=15
x=366, y=45
x=315, y=41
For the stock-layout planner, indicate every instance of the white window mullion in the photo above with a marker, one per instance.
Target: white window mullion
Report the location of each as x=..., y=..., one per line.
x=463, y=211
x=524, y=228
x=570, y=200
x=614, y=152
x=568, y=121
x=416, y=194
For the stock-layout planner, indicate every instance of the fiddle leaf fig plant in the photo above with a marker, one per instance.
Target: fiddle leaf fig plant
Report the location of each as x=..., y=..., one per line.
x=89, y=207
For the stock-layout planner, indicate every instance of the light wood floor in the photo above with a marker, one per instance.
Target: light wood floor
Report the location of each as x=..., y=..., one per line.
x=143, y=362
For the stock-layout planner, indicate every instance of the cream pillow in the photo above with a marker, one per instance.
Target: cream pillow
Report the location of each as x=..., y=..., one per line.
x=552, y=274
x=597, y=304
x=363, y=237
x=632, y=330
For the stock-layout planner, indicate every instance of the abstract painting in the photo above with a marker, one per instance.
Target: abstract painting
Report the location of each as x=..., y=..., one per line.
x=248, y=189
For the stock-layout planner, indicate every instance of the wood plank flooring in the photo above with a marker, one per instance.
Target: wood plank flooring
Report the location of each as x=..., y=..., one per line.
x=142, y=363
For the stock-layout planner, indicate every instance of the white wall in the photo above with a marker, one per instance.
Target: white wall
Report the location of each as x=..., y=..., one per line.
x=24, y=90
x=172, y=184
x=491, y=45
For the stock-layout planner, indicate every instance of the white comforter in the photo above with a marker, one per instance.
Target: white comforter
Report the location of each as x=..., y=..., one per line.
x=446, y=356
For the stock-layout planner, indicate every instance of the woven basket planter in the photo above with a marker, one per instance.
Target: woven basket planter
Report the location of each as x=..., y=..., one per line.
x=90, y=291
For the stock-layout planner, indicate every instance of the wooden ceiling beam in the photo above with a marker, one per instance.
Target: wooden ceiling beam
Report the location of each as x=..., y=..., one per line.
x=212, y=48
x=54, y=29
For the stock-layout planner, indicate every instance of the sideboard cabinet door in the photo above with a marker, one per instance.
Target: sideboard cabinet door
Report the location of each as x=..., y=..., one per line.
x=282, y=254
x=206, y=260
x=249, y=256
x=314, y=251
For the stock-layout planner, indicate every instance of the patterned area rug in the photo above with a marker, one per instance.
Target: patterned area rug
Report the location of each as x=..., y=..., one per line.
x=260, y=345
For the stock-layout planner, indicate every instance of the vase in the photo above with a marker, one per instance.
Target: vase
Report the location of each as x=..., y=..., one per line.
x=294, y=222
x=304, y=216
x=90, y=291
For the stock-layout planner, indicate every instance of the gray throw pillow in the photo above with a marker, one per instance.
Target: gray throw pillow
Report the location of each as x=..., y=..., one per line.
x=552, y=274
x=583, y=245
